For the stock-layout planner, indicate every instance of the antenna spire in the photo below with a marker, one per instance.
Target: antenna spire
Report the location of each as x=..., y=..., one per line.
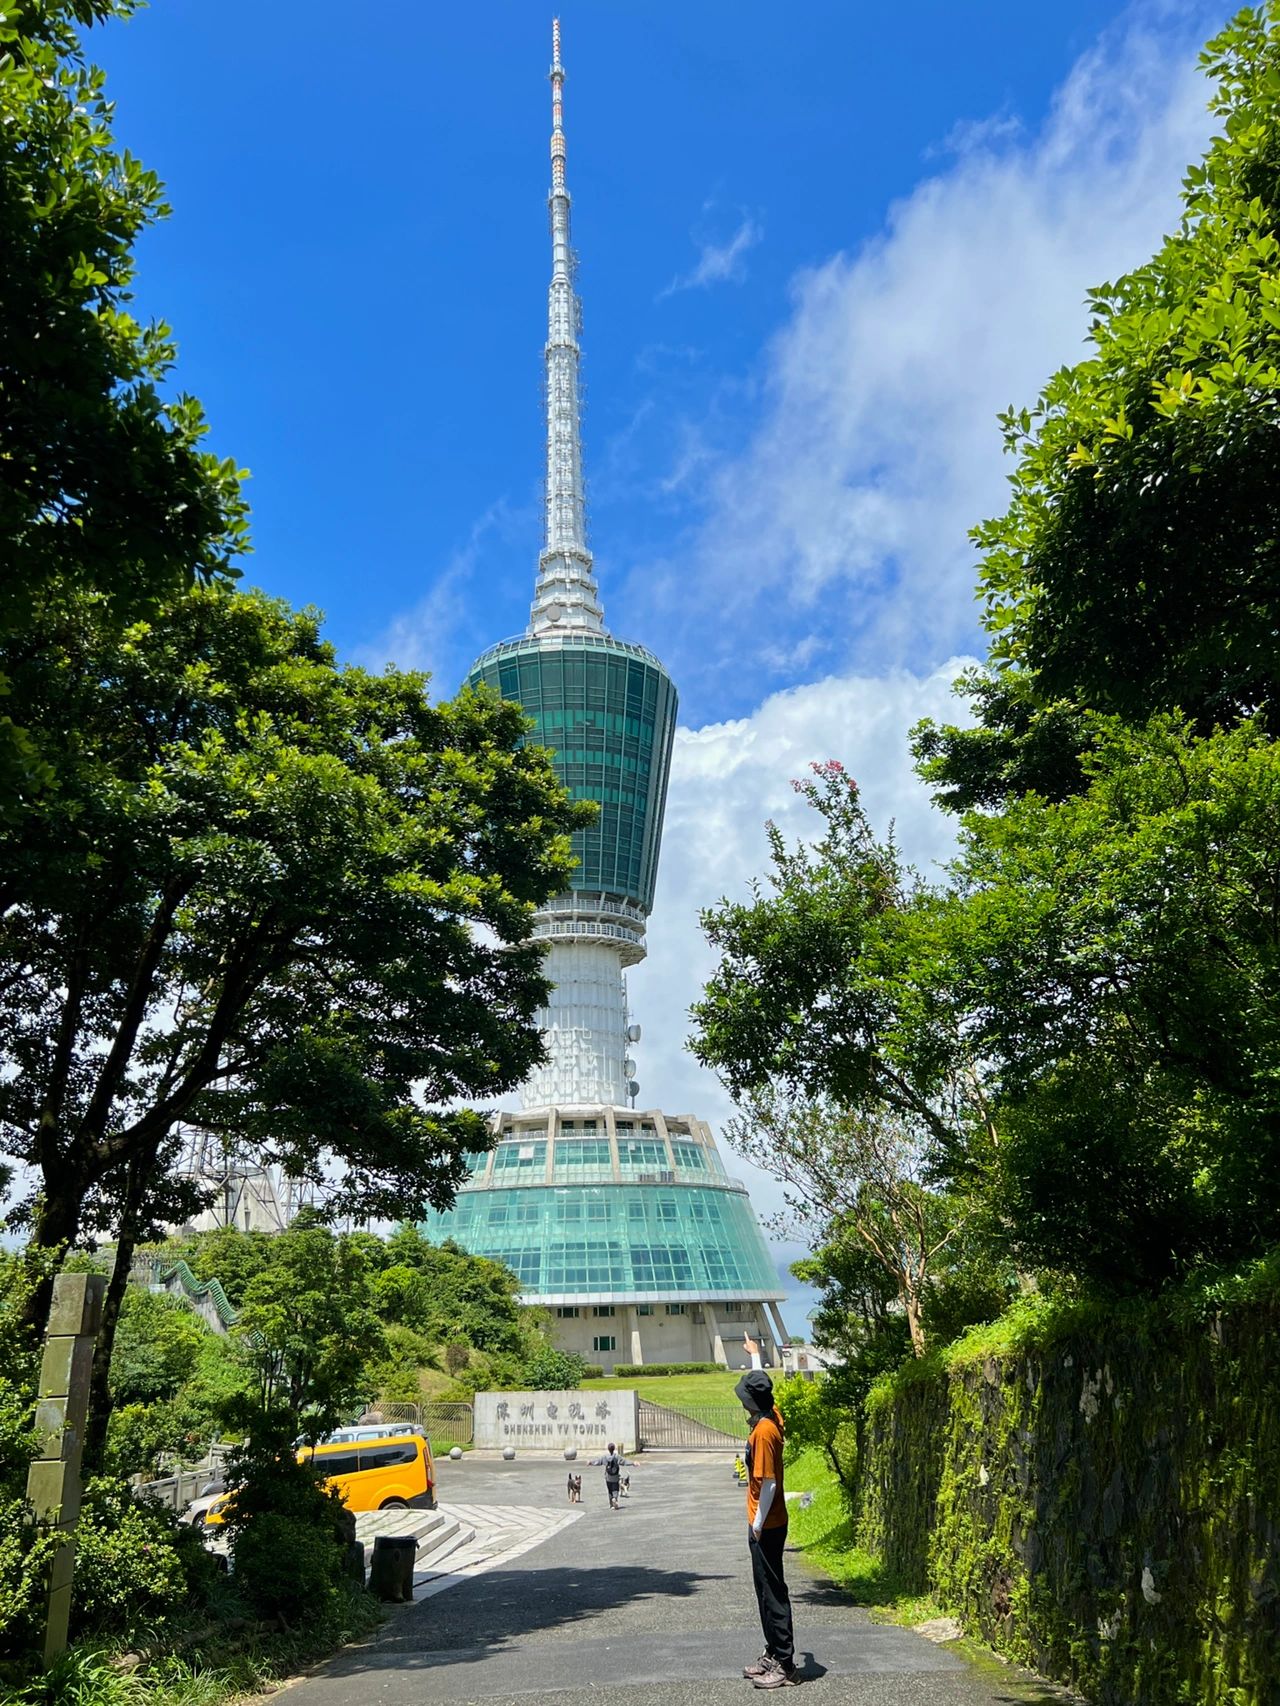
x=566, y=596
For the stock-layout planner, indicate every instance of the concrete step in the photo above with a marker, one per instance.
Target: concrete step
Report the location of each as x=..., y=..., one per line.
x=423, y=1525
x=478, y=1550
x=441, y=1554
x=438, y=1537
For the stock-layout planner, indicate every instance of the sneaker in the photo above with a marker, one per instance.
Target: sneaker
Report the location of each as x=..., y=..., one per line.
x=761, y=1665
x=776, y=1675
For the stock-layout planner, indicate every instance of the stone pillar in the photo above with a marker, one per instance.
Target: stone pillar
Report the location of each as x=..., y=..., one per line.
x=769, y=1354
x=53, y=1480
x=637, y=1349
x=716, y=1337
x=779, y=1323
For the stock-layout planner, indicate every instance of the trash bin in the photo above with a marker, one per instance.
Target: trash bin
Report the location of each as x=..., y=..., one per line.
x=391, y=1572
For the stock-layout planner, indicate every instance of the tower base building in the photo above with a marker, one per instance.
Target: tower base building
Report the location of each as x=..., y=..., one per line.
x=626, y=1227
x=623, y=1223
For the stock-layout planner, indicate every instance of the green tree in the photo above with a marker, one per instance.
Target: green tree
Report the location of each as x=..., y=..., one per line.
x=1119, y=957
x=157, y=1348
x=866, y=1175
x=1136, y=569
x=291, y=901
x=103, y=484
x=445, y=1292
x=309, y=1328
x=231, y=1256
x=857, y=1320
x=832, y=983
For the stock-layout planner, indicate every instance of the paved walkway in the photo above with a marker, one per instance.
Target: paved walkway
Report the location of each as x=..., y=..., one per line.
x=651, y=1603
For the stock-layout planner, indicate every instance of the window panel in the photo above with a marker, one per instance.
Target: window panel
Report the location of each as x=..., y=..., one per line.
x=689, y=1239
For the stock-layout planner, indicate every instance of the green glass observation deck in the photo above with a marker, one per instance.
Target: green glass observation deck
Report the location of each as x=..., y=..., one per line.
x=616, y=1243
x=611, y=1208
x=607, y=710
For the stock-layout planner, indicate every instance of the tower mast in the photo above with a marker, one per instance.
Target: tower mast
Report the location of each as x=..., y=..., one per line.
x=566, y=596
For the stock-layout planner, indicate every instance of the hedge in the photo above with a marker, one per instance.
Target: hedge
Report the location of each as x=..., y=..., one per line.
x=1097, y=1492
x=642, y=1370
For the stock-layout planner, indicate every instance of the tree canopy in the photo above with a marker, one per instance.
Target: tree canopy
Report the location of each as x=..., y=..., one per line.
x=1137, y=568
x=104, y=485
x=288, y=900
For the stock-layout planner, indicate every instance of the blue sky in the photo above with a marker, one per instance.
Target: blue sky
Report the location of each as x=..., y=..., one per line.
x=819, y=251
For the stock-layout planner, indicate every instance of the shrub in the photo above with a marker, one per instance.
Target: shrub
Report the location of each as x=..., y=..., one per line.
x=137, y=1434
x=815, y=1419
x=456, y=1354
x=591, y=1372
x=24, y=1553
x=24, y=1559
x=288, y=1567
x=551, y=1370
x=136, y=1565
x=644, y=1370
x=288, y=1535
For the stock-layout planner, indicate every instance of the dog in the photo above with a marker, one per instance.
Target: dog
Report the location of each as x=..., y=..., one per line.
x=625, y=1489
x=575, y=1489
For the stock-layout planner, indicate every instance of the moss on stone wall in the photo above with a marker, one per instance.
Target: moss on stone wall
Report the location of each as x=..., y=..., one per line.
x=1097, y=1492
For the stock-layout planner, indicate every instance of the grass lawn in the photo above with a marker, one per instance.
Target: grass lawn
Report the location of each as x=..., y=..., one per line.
x=825, y=1535
x=676, y=1389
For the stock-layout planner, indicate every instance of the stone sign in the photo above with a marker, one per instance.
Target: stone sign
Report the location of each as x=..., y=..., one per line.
x=549, y=1421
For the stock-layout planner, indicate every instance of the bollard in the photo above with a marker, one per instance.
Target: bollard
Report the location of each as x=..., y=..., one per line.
x=62, y=1408
x=391, y=1572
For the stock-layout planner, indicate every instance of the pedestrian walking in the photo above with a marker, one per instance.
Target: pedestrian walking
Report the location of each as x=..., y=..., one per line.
x=614, y=1464
x=767, y=1528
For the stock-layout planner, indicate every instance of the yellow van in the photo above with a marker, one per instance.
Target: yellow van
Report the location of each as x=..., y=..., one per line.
x=369, y=1475
x=380, y=1474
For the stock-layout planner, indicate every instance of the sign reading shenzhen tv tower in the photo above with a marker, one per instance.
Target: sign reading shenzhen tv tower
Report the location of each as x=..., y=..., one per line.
x=552, y=1421
x=622, y=1221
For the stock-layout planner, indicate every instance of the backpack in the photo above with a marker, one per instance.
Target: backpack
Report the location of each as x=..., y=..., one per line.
x=613, y=1467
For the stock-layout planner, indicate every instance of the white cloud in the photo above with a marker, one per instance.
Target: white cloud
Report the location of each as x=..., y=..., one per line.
x=727, y=779
x=719, y=263
x=431, y=634
x=874, y=447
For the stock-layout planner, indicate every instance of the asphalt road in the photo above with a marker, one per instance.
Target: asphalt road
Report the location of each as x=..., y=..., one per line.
x=649, y=1603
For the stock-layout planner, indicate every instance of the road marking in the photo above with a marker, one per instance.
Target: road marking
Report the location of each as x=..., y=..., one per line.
x=496, y=1529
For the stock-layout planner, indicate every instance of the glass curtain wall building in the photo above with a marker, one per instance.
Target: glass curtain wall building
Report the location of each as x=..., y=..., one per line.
x=624, y=1223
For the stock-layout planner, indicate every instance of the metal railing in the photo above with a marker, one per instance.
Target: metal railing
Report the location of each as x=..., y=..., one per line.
x=443, y=1423
x=534, y=1174
x=449, y=1424
x=176, y=1491
x=693, y=1427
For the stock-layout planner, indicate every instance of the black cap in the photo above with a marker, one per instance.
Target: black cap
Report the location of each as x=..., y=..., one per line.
x=755, y=1390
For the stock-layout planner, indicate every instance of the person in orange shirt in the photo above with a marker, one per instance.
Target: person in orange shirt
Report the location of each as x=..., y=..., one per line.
x=767, y=1529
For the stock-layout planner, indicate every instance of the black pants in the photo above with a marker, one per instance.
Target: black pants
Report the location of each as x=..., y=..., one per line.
x=611, y=1487
x=771, y=1593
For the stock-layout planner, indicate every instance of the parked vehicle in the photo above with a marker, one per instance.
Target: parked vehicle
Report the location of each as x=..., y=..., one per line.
x=372, y=1430
x=384, y=1473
